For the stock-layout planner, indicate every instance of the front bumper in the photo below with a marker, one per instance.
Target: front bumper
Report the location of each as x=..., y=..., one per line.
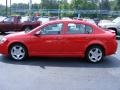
x=4, y=49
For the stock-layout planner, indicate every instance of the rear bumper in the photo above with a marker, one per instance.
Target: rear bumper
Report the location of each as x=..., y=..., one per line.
x=112, y=48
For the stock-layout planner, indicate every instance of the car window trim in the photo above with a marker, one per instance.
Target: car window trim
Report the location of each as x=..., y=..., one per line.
x=51, y=24
x=79, y=23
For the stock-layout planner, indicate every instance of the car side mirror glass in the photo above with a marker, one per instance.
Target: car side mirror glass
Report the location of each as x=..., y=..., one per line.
x=38, y=33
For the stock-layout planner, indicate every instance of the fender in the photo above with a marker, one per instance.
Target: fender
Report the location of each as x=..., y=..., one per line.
x=96, y=42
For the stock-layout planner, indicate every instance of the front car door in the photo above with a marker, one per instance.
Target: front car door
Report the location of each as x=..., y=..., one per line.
x=47, y=43
x=7, y=24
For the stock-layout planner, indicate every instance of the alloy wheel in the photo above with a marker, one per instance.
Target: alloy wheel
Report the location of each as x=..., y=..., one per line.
x=95, y=54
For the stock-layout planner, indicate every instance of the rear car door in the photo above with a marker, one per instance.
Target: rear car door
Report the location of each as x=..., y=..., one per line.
x=77, y=35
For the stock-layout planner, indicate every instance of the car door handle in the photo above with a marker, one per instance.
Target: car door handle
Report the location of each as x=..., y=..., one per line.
x=59, y=38
x=85, y=37
x=49, y=41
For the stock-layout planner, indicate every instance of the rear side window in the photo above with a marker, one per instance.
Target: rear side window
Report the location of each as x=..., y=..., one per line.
x=79, y=29
x=88, y=29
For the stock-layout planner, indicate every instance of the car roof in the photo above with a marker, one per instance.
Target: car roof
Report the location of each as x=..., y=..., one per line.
x=74, y=21
x=71, y=21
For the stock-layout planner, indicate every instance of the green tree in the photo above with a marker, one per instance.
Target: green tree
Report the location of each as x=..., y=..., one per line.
x=112, y=4
x=117, y=5
x=35, y=6
x=2, y=10
x=105, y=5
x=49, y=4
x=64, y=5
x=83, y=5
x=20, y=6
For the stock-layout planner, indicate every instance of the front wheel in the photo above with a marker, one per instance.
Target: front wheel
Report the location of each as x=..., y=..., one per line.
x=94, y=54
x=17, y=52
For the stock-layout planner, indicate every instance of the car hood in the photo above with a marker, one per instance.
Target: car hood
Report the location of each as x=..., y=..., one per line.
x=16, y=34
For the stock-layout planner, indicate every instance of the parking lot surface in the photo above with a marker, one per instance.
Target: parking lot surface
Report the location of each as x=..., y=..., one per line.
x=60, y=74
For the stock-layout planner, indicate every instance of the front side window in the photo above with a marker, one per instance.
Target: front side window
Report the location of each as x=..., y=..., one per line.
x=9, y=19
x=78, y=29
x=52, y=29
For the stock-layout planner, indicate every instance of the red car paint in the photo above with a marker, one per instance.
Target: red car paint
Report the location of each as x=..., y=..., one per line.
x=63, y=44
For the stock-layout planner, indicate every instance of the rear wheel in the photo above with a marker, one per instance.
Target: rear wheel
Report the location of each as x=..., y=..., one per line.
x=94, y=54
x=17, y=52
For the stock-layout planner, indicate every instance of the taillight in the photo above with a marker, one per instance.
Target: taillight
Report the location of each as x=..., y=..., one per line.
x=112, y=31
x=114, y=36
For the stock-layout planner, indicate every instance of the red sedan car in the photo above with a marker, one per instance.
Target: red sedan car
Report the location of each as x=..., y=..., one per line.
x=61, y=38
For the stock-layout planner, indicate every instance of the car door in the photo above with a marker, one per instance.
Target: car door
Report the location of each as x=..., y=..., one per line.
x=17, y=25
x=47, y=43
x=75, y=39
x=8, y=24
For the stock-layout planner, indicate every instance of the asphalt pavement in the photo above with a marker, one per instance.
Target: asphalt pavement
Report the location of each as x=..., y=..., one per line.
x=60, y=74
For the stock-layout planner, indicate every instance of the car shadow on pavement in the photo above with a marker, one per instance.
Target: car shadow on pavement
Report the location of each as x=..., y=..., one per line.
x=108, y=62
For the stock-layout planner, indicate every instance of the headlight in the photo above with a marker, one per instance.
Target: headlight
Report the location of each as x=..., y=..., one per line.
x=2, y=40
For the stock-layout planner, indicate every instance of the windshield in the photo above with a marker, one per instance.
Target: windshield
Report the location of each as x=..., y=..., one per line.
x=9, y=19
x=43, y=20
x=117, y=20
x=2, y=18
x=26, y=18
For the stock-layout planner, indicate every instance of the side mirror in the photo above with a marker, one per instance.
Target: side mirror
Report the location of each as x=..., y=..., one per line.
x=37, y=33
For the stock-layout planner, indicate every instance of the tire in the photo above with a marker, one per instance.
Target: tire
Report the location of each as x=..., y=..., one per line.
x=18, y=52
x=27, y=29
x=94, y=54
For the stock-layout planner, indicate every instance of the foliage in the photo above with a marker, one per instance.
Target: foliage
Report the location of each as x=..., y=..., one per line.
x=20, y=5
x=2, y=10
x=112, y=5
x=117, y=5
x=49, y=4
x=83, y=4
x=105, y=5
x=62, y=5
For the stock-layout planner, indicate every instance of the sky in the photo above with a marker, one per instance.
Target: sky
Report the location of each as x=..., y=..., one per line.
x=3, y=2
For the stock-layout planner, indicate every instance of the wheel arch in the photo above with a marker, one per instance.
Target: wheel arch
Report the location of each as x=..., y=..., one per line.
x=92, y=45
x=13, y=43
